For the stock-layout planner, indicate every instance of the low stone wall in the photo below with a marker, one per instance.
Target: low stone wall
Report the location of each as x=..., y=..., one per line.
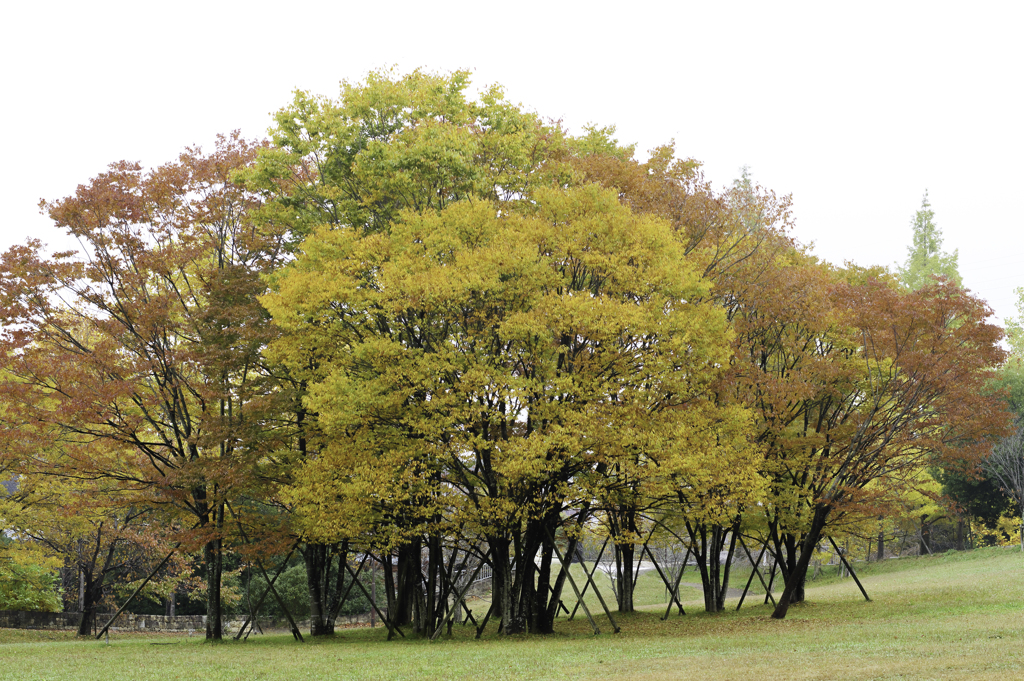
x=130, y=622
x=23, y=619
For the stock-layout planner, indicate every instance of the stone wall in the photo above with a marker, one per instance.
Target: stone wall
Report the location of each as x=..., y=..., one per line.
x=22, y=619
x=130, y=622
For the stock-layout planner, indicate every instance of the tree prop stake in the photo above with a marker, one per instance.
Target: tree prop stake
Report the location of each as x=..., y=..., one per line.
x=852, y=573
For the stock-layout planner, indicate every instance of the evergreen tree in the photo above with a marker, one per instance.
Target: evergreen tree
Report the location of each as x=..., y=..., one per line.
x=926, y=258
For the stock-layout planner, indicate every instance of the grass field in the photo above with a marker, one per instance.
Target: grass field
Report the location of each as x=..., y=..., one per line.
x=952, y=616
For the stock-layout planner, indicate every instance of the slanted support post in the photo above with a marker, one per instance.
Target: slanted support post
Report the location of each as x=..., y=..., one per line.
x=850, y=568
x=755, y=571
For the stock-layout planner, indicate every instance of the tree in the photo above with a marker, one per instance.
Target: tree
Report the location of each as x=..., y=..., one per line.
x=387, y=145
x=735, y=240
x=1006, y=464
x=926, y=259
x=976, y=495
x=511, y=356
x=28, y=579
x=909, y=393
x=141, y=352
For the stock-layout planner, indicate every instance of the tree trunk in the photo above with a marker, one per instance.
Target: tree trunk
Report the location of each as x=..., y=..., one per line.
x=407, y=583
x=556, y=591
x=797, y=575
x=91, y=592
x=542, y=621
x=501, y=580
x=624, y=530
x=881, y=539
x=389, y=586
x=926, y=535
x=433, y=613
x=214, y=559
x=624, y=557
x=733, y=534
x=323, y=600
x=709, y=542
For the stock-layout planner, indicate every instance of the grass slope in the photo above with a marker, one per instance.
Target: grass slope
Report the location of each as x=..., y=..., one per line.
x=953, y=616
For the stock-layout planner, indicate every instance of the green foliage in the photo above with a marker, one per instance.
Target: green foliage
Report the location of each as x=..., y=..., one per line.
x=600, y=142
x=979, y=496
x=26, y=581
x=294, y=591
x=1015, y=337
x=540, y=343
x=392, y=144
x=926, y=259
x=290, y=585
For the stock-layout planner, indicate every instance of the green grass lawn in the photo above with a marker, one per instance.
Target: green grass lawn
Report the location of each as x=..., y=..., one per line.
x=952, y=616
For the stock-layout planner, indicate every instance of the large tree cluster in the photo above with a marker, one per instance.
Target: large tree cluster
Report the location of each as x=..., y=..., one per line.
x=428, y=327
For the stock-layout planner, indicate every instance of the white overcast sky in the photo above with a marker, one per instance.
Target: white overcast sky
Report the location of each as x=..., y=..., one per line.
x=853, y=108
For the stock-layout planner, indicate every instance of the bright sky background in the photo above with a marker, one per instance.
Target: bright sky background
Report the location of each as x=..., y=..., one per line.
x=853, y=108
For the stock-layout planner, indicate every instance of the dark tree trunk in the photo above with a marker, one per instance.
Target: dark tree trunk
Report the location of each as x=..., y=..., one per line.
x=787, y=548
x=389, y=585
x=926, y=537
x=513, y=619
x=433, y=612
x=796, y=575
x=213, y=557
x=625, y=529
x=407, y=583
x=723, y=588
x=324, y=587
x=317, y=558
x=555, y=596
x=91, y=595
x=708, y=542
x=501, y=580
x=881, y=540
x=542, y=621
x=526, y=576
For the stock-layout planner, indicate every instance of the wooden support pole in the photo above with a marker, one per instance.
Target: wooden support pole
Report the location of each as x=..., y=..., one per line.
x=259, y=564
x=665, y=579
x=771, y=580
x=462, y=599
x=387, y=622
x=487, y=616
x=136, y=593
x=754, y=571
x=590, y=572
x=348, y=590
x=572, y=583
x=597, y=592
x=850, y=568
x=280, y=603
x=266, y=592
x=459, y=597
x=675, y=589
x=636, y=572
